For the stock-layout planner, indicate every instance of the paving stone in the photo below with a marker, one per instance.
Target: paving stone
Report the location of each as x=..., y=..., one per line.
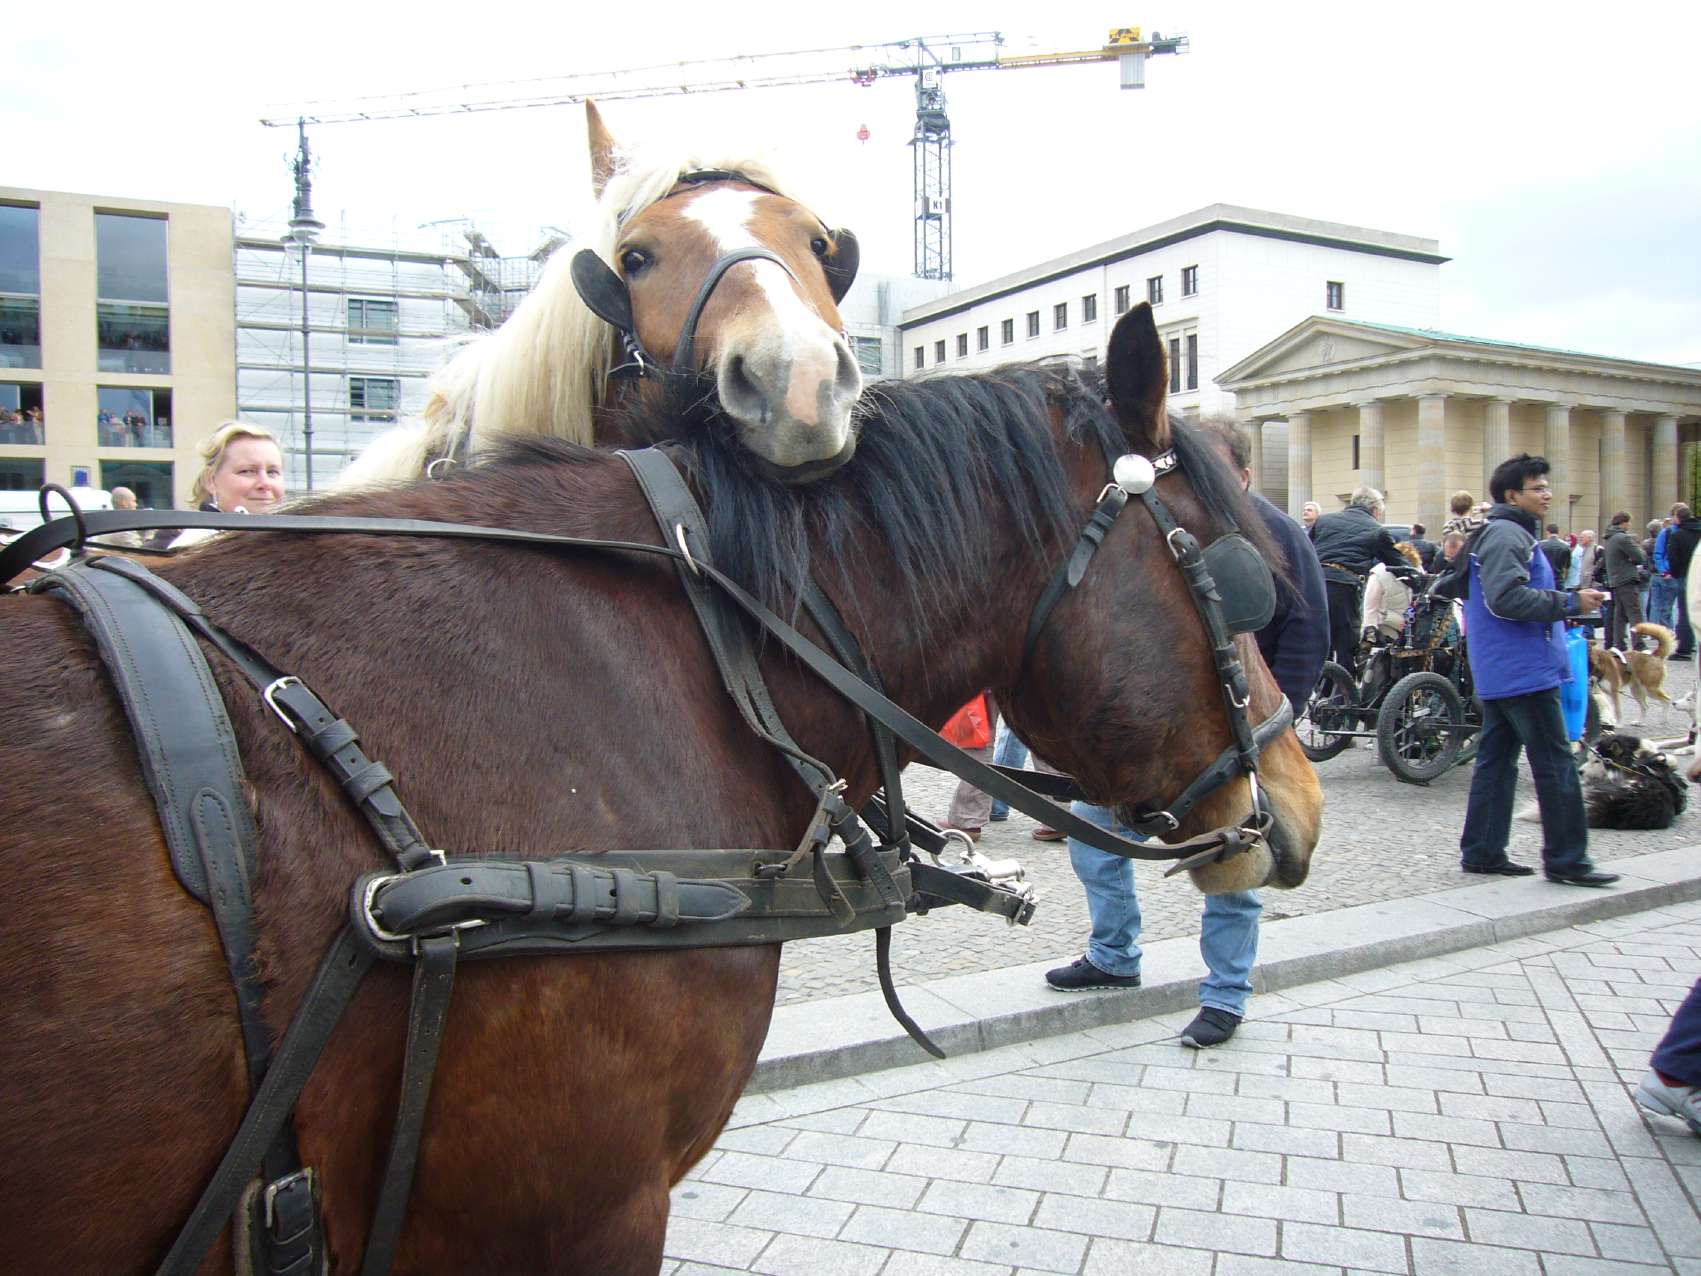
x=1573, y=1265
x=1124, y=1220
x=1375, y=1149
x=1525, y=1231
x=1234, y=1107
x=943, y=1163
x=1076, y=1116
x=1668, y=1209
x=910, y=1127
x=979, y=1200
x=765, y=1140
x=1631, y=1244
x=1594, y=1171
x=1157, y=1188
x=1025, y=1246
x=1023, y=1085
x=1588, y=1203
x=1189, y=1080
x=1459, y=1189
x=1323, y=1116
x=1418, y=1077
x=832, y=1121
x=909, y=1263
x=708, y=1201
x=1051, y=1176
x=1450, y=1258
x=1532, y=1167
x=1338, y=1176
x=1125, y=1098
x=1520, y=1086
x=1394, y=1098
x=771, y=1173
x=1455, y=1130
x=958, y=1103
x=1351, y=1248
x=1285, y=1203
x=1293, y=1089
x=1551, y=1138
x=1359, y=1071
x=1412, y=1218
x=1192, y=1229
x=789, y=1255
x=981, y=1136
x=696, y=1240
x=1491, y=1107
x=868, y=1187
x=1228, y=1163
x=1247, y=1265
x=1109, y=1257
x=1252, y=1137
x=799, y=1215
x=904, y=1229
x=840, y=1149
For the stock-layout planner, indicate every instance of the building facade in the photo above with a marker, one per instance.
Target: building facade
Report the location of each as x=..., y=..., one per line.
x=1420, y=414
x=1221, y=280
x=117, y=340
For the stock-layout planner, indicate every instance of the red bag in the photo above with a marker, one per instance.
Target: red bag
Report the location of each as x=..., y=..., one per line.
x=970, y=727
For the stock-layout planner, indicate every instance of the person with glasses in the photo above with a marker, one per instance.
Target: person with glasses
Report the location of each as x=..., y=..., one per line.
x=1514, y=615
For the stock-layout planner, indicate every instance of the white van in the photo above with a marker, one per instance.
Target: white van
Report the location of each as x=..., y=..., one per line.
x=21, y=511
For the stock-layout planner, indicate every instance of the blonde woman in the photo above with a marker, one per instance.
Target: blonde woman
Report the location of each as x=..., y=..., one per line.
x=241, y=473
x=1386, y=596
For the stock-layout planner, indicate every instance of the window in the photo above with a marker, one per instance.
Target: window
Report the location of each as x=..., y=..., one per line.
x=1089, y=308
x=132, y=319
x=1121, y=299
x=21, y=420
x=1007, y=331
x=1183, y=349
x=20, y=287
x=372, y=322
x=921, y=356
x=983, y=337
x=1192, y=347
x=1155, y=290
x=149, y=480
x=869, y=355
x=1175, y=365
x=1033, y=323
x=374, y=398
x=1189, y=281
x=962, y=345
x=1335, y=293
x=19, y=475
x=939, y=351
x=131, y=416
x=1060, y=316
x=1355, y=451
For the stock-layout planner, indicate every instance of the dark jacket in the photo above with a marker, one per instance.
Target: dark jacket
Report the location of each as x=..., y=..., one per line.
x=1512, y=613
x=1622, y=556
x=1680, y=545
x=1350, y=542
x=1559, y=554
x=1296, y=641
x=1427, y=551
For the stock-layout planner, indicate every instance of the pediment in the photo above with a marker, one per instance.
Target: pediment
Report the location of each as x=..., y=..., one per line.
x=1319, y=343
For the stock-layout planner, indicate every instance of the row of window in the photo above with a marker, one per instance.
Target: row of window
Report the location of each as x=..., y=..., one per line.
x=136, y=416
x=1007, y=331
x=149, y=480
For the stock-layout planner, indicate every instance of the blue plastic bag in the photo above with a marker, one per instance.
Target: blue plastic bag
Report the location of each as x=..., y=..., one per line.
x=1574, y=695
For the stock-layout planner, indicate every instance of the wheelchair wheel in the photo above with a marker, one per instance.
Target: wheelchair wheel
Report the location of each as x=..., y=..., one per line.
x=1420, y=728
x=1329, y=710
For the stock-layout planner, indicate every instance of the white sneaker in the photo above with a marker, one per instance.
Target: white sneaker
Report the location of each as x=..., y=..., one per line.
x=1680, y=1101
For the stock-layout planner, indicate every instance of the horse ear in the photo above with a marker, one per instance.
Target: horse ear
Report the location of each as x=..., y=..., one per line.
x=1137, y=376
x=841, y=262
x=602, y=148
x=603, y=292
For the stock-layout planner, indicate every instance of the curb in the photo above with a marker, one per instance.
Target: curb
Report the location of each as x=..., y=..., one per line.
x=852, y=1036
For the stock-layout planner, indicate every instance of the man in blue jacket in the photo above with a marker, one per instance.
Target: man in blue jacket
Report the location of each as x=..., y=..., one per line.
x=1294, y=645
x=1516, y=642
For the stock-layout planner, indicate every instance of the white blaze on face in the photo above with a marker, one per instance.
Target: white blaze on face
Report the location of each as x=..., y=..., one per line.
x=781, y=371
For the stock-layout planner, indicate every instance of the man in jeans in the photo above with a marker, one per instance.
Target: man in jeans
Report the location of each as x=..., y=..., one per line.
x=1294, y=645
x=1518, y=660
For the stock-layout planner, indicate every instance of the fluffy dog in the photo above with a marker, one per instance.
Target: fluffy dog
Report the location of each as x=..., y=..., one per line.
x=1627, y=785
x=1643, y=672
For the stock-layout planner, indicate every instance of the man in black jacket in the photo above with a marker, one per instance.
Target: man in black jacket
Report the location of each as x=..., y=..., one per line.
x=1681, y=540
x=1427, y=549
x=1348, y=544
x=1624, y=561
x=1558, y=551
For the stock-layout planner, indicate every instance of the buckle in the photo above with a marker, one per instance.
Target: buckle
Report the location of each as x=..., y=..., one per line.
x=369, y=915
x=303, y=1175
x=269, y=695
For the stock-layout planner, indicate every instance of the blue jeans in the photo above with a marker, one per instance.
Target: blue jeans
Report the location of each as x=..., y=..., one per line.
x=1228, y=936
x=1662, y=601
x=1536, y=723
x=1008, y=751
x=1685, y=635
x=1679, y=1053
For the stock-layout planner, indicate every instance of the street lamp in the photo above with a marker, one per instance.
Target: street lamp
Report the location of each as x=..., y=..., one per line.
x=304, y=229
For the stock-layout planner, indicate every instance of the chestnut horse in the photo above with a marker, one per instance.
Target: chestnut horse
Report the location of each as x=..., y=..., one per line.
x=769, y=344
x=532, y=702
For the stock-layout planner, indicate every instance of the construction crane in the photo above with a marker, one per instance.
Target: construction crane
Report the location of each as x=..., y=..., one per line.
x=925, y=58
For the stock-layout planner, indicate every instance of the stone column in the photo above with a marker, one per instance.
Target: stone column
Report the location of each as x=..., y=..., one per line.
x=1664, y=476
x=1496, y=440
x=1255, y=439
x=1615, y=487
x=1370, y=449
x=1557, y=449
x=1430, y=504
x=1299, y=461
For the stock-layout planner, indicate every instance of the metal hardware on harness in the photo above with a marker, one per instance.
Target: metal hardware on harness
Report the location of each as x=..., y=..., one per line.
x=369, y=898
x=269, y=695
x=305, y=1176
x=679, y=536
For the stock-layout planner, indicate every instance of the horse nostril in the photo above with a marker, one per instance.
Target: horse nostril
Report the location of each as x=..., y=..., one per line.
x=849, y=379
x=739, y=391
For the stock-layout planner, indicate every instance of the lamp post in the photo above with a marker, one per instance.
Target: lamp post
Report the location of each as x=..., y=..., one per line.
x=304, y=229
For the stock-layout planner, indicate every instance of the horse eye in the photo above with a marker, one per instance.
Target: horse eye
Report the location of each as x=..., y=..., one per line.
x=819, y=246
x=633, y=261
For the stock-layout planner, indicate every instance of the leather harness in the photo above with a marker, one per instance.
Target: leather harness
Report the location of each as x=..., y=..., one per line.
x=433, y=910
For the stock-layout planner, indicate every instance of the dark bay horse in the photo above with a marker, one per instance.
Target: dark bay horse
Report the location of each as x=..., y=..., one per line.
x=533, y=702
x=769, y=343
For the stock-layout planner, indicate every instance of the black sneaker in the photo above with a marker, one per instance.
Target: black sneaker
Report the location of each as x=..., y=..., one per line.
x=1210, y=1027
x=1585, y=877
x=1081, y=975
x=1506, y=868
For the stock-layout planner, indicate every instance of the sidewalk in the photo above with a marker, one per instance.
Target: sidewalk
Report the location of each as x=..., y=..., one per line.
x=1467, y=1112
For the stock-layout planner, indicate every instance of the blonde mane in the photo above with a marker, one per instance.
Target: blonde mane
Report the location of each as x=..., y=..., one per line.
x=541, y=372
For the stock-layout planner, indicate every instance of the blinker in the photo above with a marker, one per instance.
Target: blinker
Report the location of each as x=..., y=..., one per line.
x=1133, y=473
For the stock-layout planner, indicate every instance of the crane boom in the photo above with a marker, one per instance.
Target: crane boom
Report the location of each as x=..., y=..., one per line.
x=922, y=57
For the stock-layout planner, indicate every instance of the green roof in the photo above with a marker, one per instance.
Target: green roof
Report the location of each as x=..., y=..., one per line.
x=1435, y=334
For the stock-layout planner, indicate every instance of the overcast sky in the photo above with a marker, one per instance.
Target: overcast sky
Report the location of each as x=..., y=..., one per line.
x=1553, y=149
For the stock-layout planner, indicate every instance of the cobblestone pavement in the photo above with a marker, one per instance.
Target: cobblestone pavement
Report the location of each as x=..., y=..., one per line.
x=1381, y=840
x=1463, y=1114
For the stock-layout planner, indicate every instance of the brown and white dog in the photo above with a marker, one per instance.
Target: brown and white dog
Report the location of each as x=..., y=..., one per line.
x=1642, y=672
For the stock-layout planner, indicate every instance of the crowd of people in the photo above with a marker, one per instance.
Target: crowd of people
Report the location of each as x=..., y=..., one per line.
x=1350, y=576
x=131, y=429
x=26, y=426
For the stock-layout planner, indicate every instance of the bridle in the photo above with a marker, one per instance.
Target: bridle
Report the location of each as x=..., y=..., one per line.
x=609, y=297
x=1233, y=591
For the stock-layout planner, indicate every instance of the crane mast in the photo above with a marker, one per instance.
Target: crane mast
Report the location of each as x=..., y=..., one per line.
x=925, y=58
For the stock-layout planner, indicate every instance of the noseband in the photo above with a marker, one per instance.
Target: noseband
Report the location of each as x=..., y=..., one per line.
x=608, y=296
x=1237, y=597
